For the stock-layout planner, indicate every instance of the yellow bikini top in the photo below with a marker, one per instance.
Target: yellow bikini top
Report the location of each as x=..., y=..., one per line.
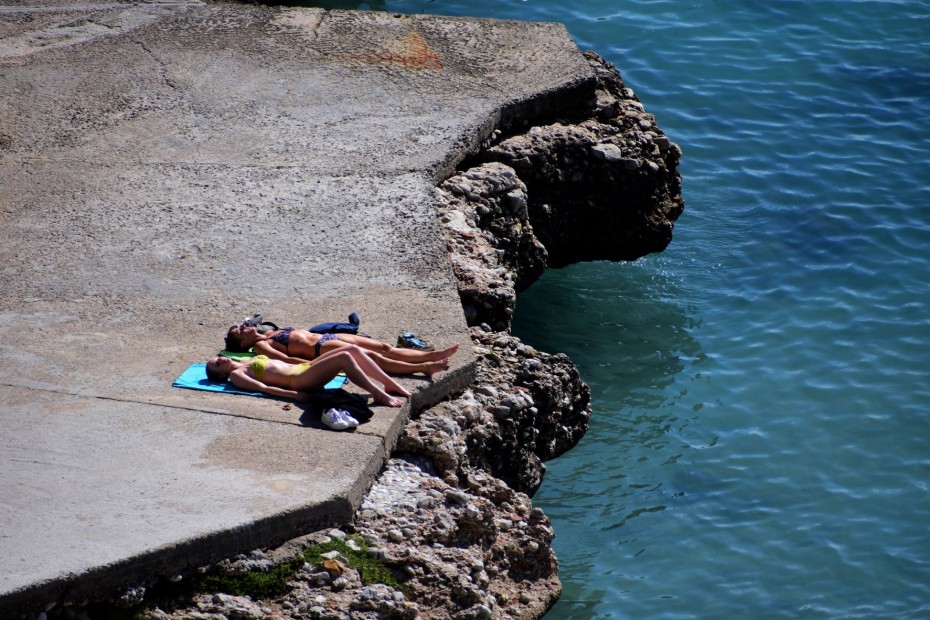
x=258, y=365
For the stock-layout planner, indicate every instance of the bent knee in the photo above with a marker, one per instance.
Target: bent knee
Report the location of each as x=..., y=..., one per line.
x=342, y=354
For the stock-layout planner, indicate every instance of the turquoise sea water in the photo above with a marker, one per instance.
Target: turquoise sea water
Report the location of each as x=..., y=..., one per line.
x=760, y=444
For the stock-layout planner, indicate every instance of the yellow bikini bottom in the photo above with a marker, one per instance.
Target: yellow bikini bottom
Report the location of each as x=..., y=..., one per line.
x=299, y=369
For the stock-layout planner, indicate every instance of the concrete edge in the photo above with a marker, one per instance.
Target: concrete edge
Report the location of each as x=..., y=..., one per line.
x=452, y=382
x=176, y=558
x=213, y=547
x=519, y=114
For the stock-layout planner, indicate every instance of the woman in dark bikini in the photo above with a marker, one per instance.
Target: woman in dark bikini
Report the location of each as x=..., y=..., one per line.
x=278, y=378
x=299, y=345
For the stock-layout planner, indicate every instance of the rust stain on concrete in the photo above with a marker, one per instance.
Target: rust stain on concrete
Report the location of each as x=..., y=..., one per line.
x=411, y=52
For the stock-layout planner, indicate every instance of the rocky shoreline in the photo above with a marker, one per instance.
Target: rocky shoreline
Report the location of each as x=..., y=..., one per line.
x=451, y=514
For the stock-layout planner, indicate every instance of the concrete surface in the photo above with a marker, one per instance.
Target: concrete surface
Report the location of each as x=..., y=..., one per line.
x=167, y=169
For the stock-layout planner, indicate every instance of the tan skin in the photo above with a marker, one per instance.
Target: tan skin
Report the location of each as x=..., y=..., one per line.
x=302, y=347
x=281, y=380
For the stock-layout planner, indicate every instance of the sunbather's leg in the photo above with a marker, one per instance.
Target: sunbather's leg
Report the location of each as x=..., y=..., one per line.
x=370, y=368
x=328, y=366
x=408, y=368
x=411, y=356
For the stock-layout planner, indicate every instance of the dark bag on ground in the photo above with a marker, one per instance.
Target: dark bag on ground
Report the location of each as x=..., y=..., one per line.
x=338, y=328
x=262, y=326
x=322, y=399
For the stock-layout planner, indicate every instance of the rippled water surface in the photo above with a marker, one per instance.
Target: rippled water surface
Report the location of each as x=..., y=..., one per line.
x=759, y=446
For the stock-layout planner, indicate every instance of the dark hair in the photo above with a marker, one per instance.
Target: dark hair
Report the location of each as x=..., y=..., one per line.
x=215, y=375
x=234, y=343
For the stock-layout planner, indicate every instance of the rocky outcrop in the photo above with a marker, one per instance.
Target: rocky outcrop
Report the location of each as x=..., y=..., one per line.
x=525, y=407
x=451, y=515
x=472, y=549
x=605, y=187
x=491, y=243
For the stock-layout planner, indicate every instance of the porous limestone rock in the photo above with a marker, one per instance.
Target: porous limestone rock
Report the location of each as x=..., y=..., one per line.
x=603, y=187
x=494, y=253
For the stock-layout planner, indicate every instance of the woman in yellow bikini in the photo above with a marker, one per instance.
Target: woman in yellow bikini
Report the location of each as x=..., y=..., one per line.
x=285, y=380
x=300, y=345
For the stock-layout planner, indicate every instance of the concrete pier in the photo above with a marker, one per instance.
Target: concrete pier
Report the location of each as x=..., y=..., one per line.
x=168, y=168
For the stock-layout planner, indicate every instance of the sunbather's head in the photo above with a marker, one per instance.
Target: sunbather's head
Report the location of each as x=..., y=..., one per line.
x=235, y=336
x=218, y=368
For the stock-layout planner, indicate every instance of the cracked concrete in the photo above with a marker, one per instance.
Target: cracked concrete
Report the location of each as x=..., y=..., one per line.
x=167, y=169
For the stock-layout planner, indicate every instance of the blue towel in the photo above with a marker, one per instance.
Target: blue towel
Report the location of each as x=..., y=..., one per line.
x=195, y=378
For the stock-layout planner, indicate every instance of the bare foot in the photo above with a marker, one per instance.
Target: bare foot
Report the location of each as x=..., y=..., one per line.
x=445, y=353
x=384, y=399
x=393, y=387
x=438, y=366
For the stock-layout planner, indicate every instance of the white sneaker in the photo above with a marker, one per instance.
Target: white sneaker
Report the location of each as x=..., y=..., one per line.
x=333, y=419
x=348, y=418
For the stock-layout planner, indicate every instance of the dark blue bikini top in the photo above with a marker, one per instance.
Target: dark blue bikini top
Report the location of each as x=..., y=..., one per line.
x=283, y=337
